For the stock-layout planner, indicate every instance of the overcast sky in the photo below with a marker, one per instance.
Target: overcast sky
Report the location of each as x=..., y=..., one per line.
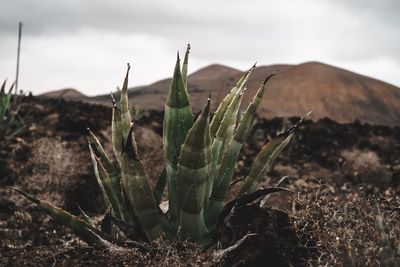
x=86, y=44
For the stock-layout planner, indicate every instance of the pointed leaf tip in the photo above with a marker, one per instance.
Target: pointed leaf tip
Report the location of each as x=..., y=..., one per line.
x=3, y=86
x=113, y=100
x=251, y=69
x=207, y=107
x=12, y=86
x=127, y=70
x=305, y=117
x=188, y=48
x=205, y=113
x=177, y=56
x=31, y=198
x=294, y=127
x=272, y=74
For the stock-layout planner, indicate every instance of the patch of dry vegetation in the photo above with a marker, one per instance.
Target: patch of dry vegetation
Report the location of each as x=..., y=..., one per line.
x=365, y=166
x=161, y=253
x=342, y=221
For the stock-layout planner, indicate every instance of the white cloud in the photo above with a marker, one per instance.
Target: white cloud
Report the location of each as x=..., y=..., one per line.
x=94, y=62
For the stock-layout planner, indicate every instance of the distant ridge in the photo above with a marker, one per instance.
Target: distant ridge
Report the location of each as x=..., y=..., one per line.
x=328, y=91
x=67, y=93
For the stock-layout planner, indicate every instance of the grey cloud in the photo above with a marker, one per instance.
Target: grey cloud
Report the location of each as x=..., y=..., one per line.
x=118, y=16
x=226, y=31
x=382, y=11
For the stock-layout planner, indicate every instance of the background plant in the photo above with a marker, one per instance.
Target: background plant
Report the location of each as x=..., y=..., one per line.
x=11, y=123
x=200, y=158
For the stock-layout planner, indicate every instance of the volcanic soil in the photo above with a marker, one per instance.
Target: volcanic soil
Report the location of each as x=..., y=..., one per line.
x=337, y=172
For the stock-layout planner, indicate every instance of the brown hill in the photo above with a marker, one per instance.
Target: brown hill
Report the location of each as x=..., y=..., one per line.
x=67, y=93
x=329, y=92
x=326, y=90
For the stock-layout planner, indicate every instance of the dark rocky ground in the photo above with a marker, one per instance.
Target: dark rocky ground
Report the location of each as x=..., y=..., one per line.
x=336, y=170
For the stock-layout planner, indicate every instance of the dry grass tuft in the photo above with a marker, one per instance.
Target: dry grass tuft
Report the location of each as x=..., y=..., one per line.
x=341, y=222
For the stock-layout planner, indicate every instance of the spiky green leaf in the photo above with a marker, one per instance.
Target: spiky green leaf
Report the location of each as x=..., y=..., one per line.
x=222, y=138
x=112, y=191
x=178, y=119
x=227, y=167
x=219, y=114
x=84, y=216
x=267, y=156
x=263, y=162
x=117, y=132
x=185, y=66
x=87, y=232
x=109, y=177
x=136, y=185
x=160, y=186
x=97, y=175
x=192, y=175
x=124, y=106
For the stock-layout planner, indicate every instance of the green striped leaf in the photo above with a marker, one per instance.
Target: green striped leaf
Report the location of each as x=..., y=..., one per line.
x=117, y=134
x=223, y=137
x=111, y=177
x=267, y=156
x=185, y=67
x=84, y=230
x=247, y=119
x=222, y=182
x=124, y=106
x=263, y=162
x=85, y=217
x=228, y=124
x=114, y=195
x=100, y=152
x=221, y=110
x=242, y=131
x=192, y=175
x=178, y=119
x=160, y=186
x=137, y=188
x=227, y=167
x=97, y=175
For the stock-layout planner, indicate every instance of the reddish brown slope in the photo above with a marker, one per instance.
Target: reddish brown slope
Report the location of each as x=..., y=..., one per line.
x=329, y=92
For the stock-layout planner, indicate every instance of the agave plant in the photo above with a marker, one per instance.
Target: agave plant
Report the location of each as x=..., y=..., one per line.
x=5, y=100
x=10, y=123
x=200, y=156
